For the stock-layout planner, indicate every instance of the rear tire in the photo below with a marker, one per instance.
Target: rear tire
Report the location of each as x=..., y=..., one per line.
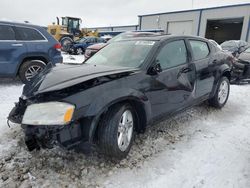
x=222, y=93
x=116, y=131
x=29, y=69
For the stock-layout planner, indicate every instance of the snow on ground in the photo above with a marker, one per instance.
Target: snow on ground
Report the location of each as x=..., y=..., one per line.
x=73, y=59
x=201, y=147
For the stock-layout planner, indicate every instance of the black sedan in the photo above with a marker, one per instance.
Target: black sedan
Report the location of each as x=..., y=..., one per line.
x=123, y=88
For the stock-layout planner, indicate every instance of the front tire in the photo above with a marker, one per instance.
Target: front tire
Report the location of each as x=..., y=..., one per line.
x=29, y=69
x=116, y=131
x=221, y=95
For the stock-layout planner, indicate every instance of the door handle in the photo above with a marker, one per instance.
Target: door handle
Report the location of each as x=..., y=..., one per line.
x=17, y=45
x=215, y=62
x=185, y=70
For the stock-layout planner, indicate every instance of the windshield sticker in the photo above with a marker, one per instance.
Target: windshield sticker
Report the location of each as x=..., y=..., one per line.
x=145, y=43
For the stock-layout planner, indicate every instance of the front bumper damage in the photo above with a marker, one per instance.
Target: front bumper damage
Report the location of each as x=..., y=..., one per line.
x=66, y=136
x=44, y=136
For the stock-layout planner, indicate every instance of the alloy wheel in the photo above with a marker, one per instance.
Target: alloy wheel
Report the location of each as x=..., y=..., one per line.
x=79, y=51
x=32, y=71
x=223, y=92
x=125, y=130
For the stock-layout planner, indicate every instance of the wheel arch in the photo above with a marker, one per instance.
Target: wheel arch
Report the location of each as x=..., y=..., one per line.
x=224, y=70
x=140, y=112
x=31, y=58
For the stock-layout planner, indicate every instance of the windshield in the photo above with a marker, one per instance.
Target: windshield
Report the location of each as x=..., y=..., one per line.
x=118, y=38
x=125, y=54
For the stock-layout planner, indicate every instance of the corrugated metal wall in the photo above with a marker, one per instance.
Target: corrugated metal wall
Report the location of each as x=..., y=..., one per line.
x=196, y=20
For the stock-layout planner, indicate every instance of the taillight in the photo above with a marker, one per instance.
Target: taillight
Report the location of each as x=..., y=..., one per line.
x=58, y=46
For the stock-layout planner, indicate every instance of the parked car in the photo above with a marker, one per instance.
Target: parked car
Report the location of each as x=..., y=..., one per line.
x=235, y=46
x=245, y=55
x=107, y=37
x=91, y=50
x=80, y=45
x=215, y=43
x=25, y=50
x=119, y=91
x=241, y=66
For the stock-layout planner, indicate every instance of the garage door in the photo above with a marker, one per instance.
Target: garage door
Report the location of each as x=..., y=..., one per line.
x=180, y=28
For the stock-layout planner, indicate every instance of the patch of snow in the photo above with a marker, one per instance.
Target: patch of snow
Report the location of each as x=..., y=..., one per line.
x=215, y=153
x=73, y=59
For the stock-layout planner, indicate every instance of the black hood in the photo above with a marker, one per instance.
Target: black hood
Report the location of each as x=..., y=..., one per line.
x=63, y=76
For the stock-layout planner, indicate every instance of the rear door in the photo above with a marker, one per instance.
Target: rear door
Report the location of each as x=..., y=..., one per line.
x=173, y=87
x=36, y=43
x=11, y=50
x=201, y=54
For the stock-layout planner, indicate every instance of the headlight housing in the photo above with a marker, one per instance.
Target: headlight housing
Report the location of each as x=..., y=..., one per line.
x=49, y=113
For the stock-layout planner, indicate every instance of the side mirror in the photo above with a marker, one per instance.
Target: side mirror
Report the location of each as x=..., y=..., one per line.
x=155, y=69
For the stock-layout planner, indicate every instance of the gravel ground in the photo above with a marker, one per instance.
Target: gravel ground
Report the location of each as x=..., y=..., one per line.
x=60, y=168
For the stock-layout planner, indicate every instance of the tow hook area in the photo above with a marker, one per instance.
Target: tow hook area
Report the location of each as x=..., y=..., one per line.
x=31, y=144
x=37, y=137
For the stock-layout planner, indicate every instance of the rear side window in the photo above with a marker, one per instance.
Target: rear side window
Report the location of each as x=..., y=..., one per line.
x=28, y=34
x=93, y=40
x=172, y=54
x=7, y=33
x=100, y=40
x=200, y=49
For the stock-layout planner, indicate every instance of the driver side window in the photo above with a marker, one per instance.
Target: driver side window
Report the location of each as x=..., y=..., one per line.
x=172, y=54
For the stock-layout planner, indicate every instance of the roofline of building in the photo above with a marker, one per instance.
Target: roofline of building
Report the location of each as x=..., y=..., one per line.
x=113, y=26
x=193, y=10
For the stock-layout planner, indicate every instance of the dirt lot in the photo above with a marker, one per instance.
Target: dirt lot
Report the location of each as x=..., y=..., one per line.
x=201, y=147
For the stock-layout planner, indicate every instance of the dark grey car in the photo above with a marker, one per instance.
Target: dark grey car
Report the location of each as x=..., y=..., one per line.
x=120, y=90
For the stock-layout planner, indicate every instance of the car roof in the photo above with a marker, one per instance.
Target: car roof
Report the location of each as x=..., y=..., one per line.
x=19, y=24
x=164, y=37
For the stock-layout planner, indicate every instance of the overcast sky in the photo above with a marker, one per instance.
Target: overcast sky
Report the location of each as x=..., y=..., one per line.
x=97, y=12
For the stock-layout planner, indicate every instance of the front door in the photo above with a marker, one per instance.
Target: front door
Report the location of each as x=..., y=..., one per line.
x=173, y=87
x=10, y=50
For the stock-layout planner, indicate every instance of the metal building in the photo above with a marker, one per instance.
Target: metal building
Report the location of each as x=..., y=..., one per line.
x=218, y=23
x=114, y=30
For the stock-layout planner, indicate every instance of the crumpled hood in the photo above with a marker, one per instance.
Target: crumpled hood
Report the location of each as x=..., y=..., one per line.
x=62, y=76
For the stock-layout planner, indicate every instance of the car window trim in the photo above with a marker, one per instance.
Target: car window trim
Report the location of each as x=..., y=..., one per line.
x=45, y=39
x=167, y=42
x=191, y=39
x=15, y=26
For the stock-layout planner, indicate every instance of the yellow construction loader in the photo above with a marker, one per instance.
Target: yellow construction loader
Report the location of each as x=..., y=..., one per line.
x=68, y=31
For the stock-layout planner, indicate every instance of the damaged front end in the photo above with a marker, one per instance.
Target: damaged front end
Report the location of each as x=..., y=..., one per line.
x=45, y=133
x=48, y=136
x=52, y=108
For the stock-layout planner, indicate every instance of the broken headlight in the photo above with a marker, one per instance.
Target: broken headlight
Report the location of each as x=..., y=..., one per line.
x=49, y=113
